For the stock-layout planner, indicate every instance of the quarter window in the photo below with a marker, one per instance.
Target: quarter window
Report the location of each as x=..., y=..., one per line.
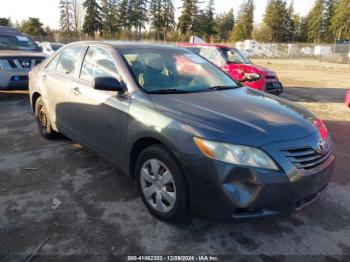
x=53, y=64
x=69, y=59
x=98, y=63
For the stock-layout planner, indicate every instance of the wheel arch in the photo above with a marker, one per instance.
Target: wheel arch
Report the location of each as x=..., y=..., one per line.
x=35, y=97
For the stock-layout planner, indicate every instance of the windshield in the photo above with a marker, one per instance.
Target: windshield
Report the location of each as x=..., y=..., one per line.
x=17, y=42
x=173, y=70
x=55, y=47
x=235, y=56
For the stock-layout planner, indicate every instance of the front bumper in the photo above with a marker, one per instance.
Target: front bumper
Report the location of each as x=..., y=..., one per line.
x=14, y=79
x=275, y=88
x=221, y=191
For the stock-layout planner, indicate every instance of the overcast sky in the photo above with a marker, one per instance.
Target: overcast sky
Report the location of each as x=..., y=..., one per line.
x=47, y=10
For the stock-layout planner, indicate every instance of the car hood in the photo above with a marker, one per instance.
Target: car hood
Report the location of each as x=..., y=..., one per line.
x=242, y=116
x=249, y=68
x=20, y=53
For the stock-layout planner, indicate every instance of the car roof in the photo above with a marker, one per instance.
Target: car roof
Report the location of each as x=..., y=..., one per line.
x=9, y=30
x=123, y=44
x=204, y=44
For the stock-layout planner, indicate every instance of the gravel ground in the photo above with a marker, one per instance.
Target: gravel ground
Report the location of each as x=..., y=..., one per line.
x=62, y=191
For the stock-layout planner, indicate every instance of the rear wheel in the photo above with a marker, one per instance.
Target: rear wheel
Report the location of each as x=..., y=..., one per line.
x=43, y=119
x=162, y=184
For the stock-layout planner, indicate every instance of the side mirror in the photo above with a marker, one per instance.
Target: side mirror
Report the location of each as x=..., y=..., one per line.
x=108, y=84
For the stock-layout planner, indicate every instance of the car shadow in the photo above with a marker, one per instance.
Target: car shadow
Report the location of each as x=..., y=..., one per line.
x=315, y=94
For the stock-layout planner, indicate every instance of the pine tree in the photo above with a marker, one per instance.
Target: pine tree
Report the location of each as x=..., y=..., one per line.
x=291, y=29
x=66, y=16
x=123, y=14
x=188, y=19
x=109, y=18
x=168, y=14
x=209, y=19
x=244, y=25
x=138, y=14
x=319, y=21
x=93, y=19
x=5, y=21
x=277, y=19
x=340, y=22
x=328, y=13
x=224, y=24
x=156, y=18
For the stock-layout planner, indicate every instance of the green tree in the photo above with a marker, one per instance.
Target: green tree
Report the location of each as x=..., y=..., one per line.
x=123, y=10
x=277, y=19
x=291, y=29
x=244, y=25
x=168, y=14
x=109, y=18
x=340, y=22
x=5, y=21
x=209, y=21
x=66, y=17
x=224, y=24
x=138, y=14
x=33, y=27
x=93, y=18
x=162, y=17
x=319, y=21
x=189, y=14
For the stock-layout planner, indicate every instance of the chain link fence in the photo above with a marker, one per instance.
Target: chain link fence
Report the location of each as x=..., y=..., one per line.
x=333, y=53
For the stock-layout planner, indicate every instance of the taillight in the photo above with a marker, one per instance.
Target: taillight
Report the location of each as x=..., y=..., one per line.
x=30, y=74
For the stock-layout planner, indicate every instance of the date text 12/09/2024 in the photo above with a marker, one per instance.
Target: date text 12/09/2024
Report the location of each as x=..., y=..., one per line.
x=173, y=258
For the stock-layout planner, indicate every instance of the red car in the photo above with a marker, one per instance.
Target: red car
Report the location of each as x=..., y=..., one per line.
x=238, y=66
x=347, y=99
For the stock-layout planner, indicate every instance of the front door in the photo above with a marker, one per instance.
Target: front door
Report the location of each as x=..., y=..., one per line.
x=99, y=117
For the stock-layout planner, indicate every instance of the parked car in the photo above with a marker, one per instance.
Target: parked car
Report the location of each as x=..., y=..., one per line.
x=238, y=66
x=18, y=54
x=50, y=48
x=194, y=140
x=347, y=99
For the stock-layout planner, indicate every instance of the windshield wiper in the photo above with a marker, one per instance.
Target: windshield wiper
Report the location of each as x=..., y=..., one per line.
x=215, y=88
x=168, y=91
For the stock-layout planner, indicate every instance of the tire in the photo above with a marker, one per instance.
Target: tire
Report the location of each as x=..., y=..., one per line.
x=43, y=119
x=166, y=201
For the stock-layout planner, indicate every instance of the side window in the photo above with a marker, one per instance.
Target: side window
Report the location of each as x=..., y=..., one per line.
x=98, y=63
x=205, y=52
x=69, y=59
x=53, y=64
x=216, y=56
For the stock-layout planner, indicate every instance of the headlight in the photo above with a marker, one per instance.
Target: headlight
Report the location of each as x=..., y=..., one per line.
x=235, y=154
x=252, y=76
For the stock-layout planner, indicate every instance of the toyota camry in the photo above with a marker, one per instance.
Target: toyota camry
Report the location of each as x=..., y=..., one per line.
x=195, y=141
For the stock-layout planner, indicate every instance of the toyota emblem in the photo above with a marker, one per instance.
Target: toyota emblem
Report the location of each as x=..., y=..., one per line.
x=321, y=146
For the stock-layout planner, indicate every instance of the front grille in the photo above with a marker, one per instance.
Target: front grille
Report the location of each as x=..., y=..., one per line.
x=273, y=86
x=21, y=63
x=308, y=160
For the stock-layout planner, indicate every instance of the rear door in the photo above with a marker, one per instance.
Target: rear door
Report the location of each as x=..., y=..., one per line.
x=100, y=117
x=57, y=82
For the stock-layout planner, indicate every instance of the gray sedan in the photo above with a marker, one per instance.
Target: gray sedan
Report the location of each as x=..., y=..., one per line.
x=195, y=141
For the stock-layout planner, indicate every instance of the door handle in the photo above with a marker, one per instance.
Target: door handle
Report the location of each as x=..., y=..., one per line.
x=44, y=77
x=76, y=91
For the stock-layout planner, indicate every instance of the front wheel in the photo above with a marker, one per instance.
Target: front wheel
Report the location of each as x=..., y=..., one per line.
x=43, y=119
x=162, y=184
